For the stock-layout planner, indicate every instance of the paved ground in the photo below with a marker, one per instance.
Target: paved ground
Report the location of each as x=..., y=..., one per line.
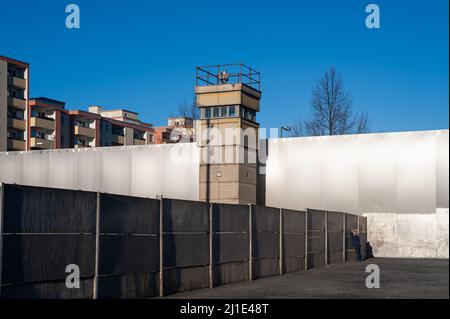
x=400, y=278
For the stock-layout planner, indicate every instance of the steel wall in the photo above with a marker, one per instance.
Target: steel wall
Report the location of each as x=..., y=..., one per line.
x=186, y=245
x=230, y=243
x=316, y=238
x=125, y=245
x=265, y=241
x=351, y=222
x=335, y=237
x=129, y=247
x=44, y=230
x=294, y=231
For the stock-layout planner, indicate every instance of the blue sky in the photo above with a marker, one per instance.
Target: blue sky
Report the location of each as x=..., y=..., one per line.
x=141, y=55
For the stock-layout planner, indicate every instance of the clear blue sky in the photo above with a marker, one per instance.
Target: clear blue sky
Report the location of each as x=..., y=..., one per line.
x=142, y=55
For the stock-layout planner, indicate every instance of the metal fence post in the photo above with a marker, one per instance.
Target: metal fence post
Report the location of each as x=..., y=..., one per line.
x=306, y=239
x=344, y=246
x=281, y=241
x=250, y=243
x=161, y=246
x=97, y=248
x=211, y=279
x=358, y=224
x=2, y=212
x=326, y=239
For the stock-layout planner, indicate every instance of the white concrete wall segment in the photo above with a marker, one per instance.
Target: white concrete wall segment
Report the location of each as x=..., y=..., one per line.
x=409, y=235
x=171, y=170
x=368, y=173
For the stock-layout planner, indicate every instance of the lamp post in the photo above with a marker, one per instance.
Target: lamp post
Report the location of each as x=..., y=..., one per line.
x=284, y=128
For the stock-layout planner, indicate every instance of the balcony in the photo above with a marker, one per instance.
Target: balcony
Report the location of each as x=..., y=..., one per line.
x=118, y=139
x=17, y=82
x=20, y=104
x=42, y=123
x=84, y=131
x=138, y=141
x=36, y=142
x=17, y=124
x=16, y=145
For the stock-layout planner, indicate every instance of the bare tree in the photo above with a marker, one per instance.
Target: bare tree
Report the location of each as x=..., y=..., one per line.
x=297, y=128
x=363, y=123
x=190, y=110
x=332, y=109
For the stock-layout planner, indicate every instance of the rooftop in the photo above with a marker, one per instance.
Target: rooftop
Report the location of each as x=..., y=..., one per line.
x=228, y=74
x=11, y=60
x=47, y=100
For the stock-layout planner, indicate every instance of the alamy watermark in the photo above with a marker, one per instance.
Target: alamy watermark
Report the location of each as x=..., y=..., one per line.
x=73, y=17
x=373, y=19
x=373, y=279
x=73, y=279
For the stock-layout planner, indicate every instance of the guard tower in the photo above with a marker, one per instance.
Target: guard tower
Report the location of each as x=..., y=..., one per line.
x=227, y=133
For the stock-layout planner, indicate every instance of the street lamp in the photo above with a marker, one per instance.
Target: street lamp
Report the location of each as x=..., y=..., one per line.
x=284, y=128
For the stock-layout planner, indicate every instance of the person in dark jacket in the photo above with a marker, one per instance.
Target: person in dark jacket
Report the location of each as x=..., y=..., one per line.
x=369, y=250
x=356, y=243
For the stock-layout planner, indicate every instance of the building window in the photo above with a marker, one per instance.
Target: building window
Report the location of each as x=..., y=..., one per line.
x=223, y=111
x=227, y=111
x=231, y=111
x=216, y=111
x=248, y=114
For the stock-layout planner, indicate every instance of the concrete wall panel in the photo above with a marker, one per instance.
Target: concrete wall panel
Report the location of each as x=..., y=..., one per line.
x=230, y=273
x=409, y=235
x=45, y=210
x=266, y=219
x=265, y=268
x=230, y=247
x=230, y=218
x=185, y=216
x=129, y=215
x=142, y=171
x=41, y=257
x=369, y=173
x=293, y=221
x=140, y=285
x=124, y=254
x=48, y=290
x=186, y=250
x=183, y=279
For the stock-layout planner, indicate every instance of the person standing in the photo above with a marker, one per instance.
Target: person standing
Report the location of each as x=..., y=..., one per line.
x=356, y=243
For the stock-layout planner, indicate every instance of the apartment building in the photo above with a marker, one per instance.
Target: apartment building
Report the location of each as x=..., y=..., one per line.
x=51, y=126
x=122, y=127
x=177, y=129
x=14, y=91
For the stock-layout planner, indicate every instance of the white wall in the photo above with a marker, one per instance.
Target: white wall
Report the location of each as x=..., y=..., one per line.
x=409, y=235
x=370, y=173
x=143, y=171
x=400, y=181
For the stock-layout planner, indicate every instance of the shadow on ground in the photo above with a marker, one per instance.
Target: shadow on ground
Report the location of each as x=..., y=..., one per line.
x=399, y=278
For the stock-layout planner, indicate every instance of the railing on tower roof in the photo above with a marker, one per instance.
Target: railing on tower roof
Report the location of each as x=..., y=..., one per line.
x=228, y=73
